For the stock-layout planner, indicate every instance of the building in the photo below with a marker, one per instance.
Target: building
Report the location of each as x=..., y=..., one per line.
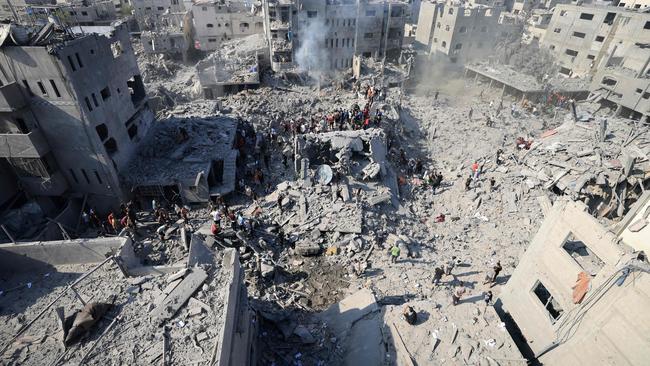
x=73, y=109
x=537, y=24
x=580, y=293
x=150, y=13
x=610, y=45
x=461, y=33
x=632, y=4
x=214, y=22
x=322, y=36
x=71, y=12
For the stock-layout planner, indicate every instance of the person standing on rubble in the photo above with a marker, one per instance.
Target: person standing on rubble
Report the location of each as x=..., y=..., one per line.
x=437, y=275
x=488, y=298
x=435, y=96
x=394, y=253
x=491, y=277
x=450, y=266
x=458, y=293
x=469, y=115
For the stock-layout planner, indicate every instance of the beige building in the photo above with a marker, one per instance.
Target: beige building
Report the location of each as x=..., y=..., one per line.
x=324, y=36
x=214, y=22
x=607, y=43
x=461, y=33
x=572, y=252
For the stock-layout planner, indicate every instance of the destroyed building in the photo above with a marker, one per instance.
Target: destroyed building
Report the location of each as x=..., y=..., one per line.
x=151, y=13
x=74, y=108
x=70, y=12
x=326, y=35
x=610, y=45
x=579, y=293
x=192, y=311
x=214, y=22
x=236, y=66
x=461, y=33
x=186, y=160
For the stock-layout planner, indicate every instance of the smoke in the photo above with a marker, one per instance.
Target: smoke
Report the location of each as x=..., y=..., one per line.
x=311, y=55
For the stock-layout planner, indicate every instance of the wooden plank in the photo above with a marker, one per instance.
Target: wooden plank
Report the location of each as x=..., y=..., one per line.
x=180, y=295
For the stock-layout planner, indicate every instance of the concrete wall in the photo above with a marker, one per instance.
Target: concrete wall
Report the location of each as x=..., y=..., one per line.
x=547, y=262
x=26, y=257
x=426, y=25
x=8, y=183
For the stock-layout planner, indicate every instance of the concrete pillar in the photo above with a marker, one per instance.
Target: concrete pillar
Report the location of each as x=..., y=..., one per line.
x=304, y=167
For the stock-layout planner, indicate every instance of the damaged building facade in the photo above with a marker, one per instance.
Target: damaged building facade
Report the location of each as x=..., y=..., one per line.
x=461, y=33
x=580, y=292
x=609, y=44
x=326, y=35
x=214, y=22
x=73, y=110
x=70, y=12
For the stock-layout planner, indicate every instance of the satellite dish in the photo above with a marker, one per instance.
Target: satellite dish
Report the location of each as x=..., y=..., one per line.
x=324, y=174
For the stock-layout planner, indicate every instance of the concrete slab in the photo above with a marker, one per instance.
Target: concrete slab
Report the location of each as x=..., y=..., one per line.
x=341, y=316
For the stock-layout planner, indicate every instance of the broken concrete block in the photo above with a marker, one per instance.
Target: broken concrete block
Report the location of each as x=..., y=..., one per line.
x=382, y=198
x=180, y=295
x=307, y=249
x=266, y=269
x=178, y=275
x=202, y=336
x=303, y=333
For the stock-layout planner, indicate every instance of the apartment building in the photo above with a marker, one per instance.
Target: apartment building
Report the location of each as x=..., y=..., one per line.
x=150, y=12
x=72, y=110
x=632, y=4
x=215, y=21
x=326, y=35
x=461, y=33
x=610, y=45
x=71, y=12
x=580, y=293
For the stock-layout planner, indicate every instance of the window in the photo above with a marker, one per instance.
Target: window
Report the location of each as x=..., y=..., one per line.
x=94, y=99
x=638, y=91
x=571, y=52
x=56, y=90
x=212, y=40
x=586, y=16
x=371, y=13
x=646, y=95
x=29, y=90
x=79, y=60
x=609, y=18
x=74, y=176
x=88, y=105
x=312, y=14
x=557, y=30
x=579, y=34
x=580, y=253
x=72, y=66
x=435, y=40
x=646, y=25
x=147, y=8
x=438, y=25
x=565, y=71
x=600, y=38
x=102, y=131
x=458, y=46
x=133, y=131
x=562, y=13
x=210, y=25
x=590, y=57
x=83, y=171
x=42, y=88
x=609, y=81
x=105, y=93
x=367, y=35
x=84, y=13
x=451, y=10
x=99, y=179
x=548, y=301
x=462, y=30
x=444, y=44
x=111, y=146
x=204, y=8
x=160, y=8
x=244, y=25
x=447, y=27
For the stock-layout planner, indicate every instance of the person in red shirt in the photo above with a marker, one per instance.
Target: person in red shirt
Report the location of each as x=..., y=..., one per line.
x=475, y=170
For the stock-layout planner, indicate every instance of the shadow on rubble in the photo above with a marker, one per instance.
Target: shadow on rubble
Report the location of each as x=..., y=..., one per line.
x=23, y=281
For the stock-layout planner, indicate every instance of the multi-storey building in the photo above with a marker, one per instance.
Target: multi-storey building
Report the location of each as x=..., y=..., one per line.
x=149, y=13
x=327, y=34
x=214, y=21
x=461, y=33
x=72, y=110
x=632, y=4
x=71, y=12
x=608, y=44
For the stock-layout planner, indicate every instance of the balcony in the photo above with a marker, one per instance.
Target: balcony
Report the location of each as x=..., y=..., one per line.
x=20, y=145
x=11, y=98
